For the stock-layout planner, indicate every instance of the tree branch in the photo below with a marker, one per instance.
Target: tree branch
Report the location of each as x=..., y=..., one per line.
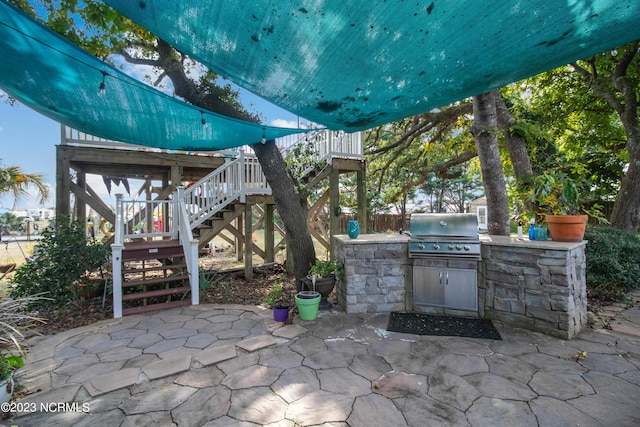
x=139, y=61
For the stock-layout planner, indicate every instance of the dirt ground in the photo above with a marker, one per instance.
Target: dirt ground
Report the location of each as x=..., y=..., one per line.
x=228, y=286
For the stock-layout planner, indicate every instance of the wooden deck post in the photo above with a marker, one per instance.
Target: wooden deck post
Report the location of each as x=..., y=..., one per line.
x=361, y=194
x=334, y=206
x=81, y=207
x=248, y=243
x=268, y=233
x=63, y=184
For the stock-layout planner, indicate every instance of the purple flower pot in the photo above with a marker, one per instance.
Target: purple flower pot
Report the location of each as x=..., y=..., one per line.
x=280, y=313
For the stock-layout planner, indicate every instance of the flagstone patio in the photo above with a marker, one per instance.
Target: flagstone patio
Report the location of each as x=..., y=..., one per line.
x=219, y=366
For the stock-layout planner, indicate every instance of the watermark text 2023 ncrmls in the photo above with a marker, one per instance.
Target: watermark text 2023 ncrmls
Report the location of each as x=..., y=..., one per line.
x=47, y=407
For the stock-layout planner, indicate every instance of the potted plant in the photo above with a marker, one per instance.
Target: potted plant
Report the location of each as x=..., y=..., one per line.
x=308, y=303
x=8, y=364
x=14, y=323
x=322, y=278
x=274, y=300
x=557, y=194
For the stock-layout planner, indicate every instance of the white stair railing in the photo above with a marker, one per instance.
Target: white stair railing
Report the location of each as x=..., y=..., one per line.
x=148, y=218
x=326, y=145
x=232, y=181
x=156, y=218
x=116, y=258
x=189, y=245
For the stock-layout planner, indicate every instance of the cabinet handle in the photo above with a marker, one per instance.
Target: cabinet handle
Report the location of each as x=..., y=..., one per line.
x=447, y=278
x=440, y=276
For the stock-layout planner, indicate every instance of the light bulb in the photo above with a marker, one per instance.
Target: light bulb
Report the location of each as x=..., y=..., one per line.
x=264, y=137
x=103, y=87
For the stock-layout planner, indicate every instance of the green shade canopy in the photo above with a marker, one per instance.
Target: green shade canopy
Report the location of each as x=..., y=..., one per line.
x=61, y=81
x=353, y=65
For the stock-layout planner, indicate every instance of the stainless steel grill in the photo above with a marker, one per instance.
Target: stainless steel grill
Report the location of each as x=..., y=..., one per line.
x=444, y=235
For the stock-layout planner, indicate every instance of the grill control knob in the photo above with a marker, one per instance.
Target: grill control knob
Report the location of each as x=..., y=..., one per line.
x=436, y=246
x=451, y=247
x=459, y=247
x=420, y=246
x=467, y=247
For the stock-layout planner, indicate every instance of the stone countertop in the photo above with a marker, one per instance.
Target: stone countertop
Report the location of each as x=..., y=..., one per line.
x=484, y=238
x=526, y=243
x=373, y=238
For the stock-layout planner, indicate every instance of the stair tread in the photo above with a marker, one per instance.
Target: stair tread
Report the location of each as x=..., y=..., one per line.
x=155, y=280
x=148, y=244
x=133, y=270
x=155, y=249
x=156, y=293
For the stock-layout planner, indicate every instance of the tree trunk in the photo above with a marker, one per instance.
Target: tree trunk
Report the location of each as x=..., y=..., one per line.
x=515, y=143
x=619, y=89
x=626, y=210
x=484, y=128
x=517, y=147
x=291, y=206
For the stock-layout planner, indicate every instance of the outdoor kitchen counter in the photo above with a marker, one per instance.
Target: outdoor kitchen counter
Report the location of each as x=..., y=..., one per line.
x=526, y=243
x=376, y=268
x=364, y=239
x=536, y=285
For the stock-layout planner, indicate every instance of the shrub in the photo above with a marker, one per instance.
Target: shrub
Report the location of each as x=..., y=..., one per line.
x=14, y=325
x=64, y=258
x=613, y=262
x=327, y=268
x=274, y=295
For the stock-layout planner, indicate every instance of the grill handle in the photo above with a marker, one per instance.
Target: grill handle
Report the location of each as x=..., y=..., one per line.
x=446, y=278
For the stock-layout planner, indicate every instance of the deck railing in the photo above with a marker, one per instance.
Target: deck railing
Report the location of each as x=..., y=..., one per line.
x=149, y=219
x=328, y=143
x=234, y=180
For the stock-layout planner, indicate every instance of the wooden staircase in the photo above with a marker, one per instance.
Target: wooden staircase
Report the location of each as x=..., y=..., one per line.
x=156, y=267
x=154, y=275
x=216, y=223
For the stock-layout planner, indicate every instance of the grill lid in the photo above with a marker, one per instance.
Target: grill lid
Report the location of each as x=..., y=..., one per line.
x=444, y=235
x=444, y=226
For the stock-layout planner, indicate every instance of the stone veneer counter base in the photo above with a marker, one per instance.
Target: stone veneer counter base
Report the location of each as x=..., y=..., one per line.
x=536, y=285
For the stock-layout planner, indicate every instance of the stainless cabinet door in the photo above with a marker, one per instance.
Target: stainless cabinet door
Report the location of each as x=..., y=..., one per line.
x=428, y=286
x=461, y=289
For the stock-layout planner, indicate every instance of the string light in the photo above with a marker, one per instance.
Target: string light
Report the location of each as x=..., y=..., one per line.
x=122, y=79
x=103, y=87
x=264, y=136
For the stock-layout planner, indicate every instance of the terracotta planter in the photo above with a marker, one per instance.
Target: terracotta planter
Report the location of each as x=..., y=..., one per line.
x=90, y=290
x=567, y=228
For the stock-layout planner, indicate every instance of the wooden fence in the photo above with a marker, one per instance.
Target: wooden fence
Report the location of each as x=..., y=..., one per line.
x=380, y=223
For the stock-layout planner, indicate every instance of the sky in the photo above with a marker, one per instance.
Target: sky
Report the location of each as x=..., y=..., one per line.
x=28, y=139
